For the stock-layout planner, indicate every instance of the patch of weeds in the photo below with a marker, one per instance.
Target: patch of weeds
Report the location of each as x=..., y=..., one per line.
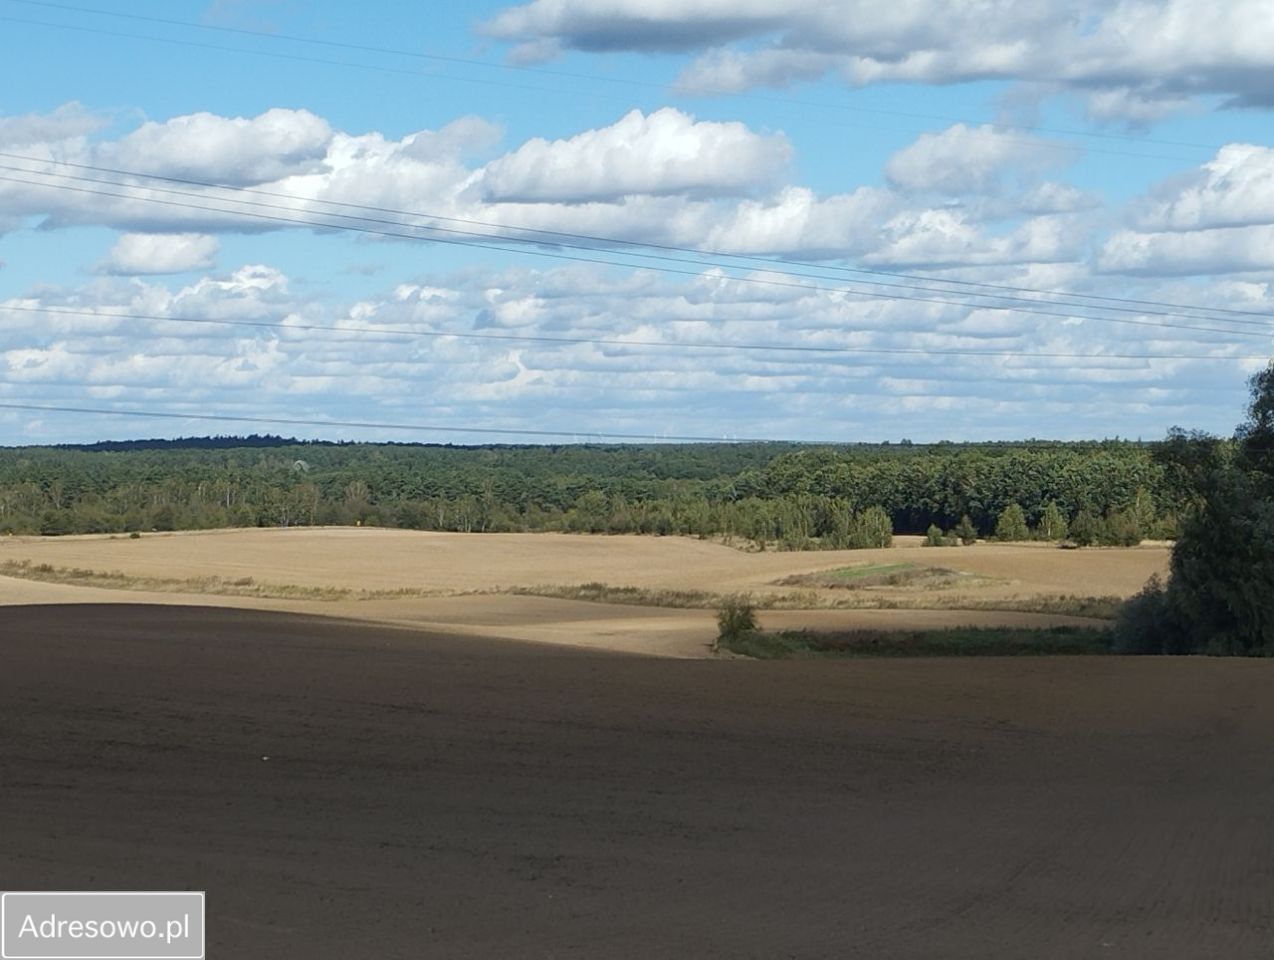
x=952, y=642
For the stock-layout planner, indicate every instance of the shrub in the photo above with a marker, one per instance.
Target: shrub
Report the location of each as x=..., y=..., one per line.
x=736, y=618
x=1145, y=623
x=1119, y=529
x=934, y=537
x=1085, y=529
x=965, y=531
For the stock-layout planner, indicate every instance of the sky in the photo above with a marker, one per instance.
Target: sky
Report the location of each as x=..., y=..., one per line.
x=596, y=219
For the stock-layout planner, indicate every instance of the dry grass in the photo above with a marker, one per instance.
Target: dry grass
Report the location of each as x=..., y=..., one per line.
x=1101, y=608
x=215, y=586
x=594, y=592
x=1097, y=608
x=949, y=642
x=866, y=589
x=885, y=575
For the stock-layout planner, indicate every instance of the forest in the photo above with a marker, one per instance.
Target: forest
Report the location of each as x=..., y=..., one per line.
x=769, y=495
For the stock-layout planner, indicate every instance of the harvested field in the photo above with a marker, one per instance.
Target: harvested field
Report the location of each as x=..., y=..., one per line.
x=432, y=796
x=342, y=557
x=419, y=578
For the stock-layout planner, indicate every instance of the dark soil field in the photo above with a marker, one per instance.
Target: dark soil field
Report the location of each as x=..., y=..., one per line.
x=436, y=797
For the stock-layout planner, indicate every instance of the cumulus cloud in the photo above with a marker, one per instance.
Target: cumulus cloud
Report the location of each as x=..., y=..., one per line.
x=1135, y=58
x=1235, y=188
x=68, y=122
x=945, y=237
x=964, y=159
x=1215, y=219
x=665, y=152
x=1219, y=251
x=662, y=178
x=796, y=221
x=235, y=150
x=387, y=356
x=137, y=254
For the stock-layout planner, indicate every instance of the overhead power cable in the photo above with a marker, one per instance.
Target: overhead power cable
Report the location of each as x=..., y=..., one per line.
x=398, y=332
x=566, y=238
x=357, y=226
x=374, y=425
x=630, y=82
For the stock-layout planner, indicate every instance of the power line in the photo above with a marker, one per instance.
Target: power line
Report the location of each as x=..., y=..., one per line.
x=575, y=75
x=723, y=345
x=522, y=250
x=371, y=425
x=557, y=236
x=420, y=75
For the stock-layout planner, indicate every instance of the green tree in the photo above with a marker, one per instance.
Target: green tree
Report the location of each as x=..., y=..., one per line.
x=1219, y=597
x=1052, y=524
x=1085, y=529
x=1011, y=524
x=871, y=528
x=966, y=532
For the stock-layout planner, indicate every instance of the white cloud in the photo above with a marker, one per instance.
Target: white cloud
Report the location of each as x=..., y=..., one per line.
x=469, y=134
x=150, y=253
x=661, y=178
x=1216, y=219
x=946, y=237
x=795, y=221
x=1136, y=58
x=68, y=122
x=1198, y=252
x=1053, y=197
x=235, y=150
x=962, y=160
x=665, y=152
x=356, y=371
x=666, y=178
x=1236, y=188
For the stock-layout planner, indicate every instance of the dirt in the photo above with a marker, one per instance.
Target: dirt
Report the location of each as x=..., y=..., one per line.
x=458, y=797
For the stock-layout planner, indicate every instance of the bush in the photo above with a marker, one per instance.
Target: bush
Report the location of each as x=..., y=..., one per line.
x=934, y=537
x=1085, y=529
x=965, y=531
x=1145, y=623
x=1119, y=529
x=736, y=618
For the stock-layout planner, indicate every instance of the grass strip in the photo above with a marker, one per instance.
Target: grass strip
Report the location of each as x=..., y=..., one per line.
x=237, y=587
x=951, y=642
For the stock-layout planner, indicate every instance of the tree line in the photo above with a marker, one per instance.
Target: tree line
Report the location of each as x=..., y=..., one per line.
x=771, y=495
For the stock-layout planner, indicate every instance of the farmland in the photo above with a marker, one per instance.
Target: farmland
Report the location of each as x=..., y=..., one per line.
x=656, y=594
x=461, y=797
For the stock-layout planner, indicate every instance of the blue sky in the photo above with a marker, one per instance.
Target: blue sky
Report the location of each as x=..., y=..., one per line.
x=1068, y=151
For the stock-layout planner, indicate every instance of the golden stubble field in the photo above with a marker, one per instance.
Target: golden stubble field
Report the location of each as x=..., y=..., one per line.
x=474, y=583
